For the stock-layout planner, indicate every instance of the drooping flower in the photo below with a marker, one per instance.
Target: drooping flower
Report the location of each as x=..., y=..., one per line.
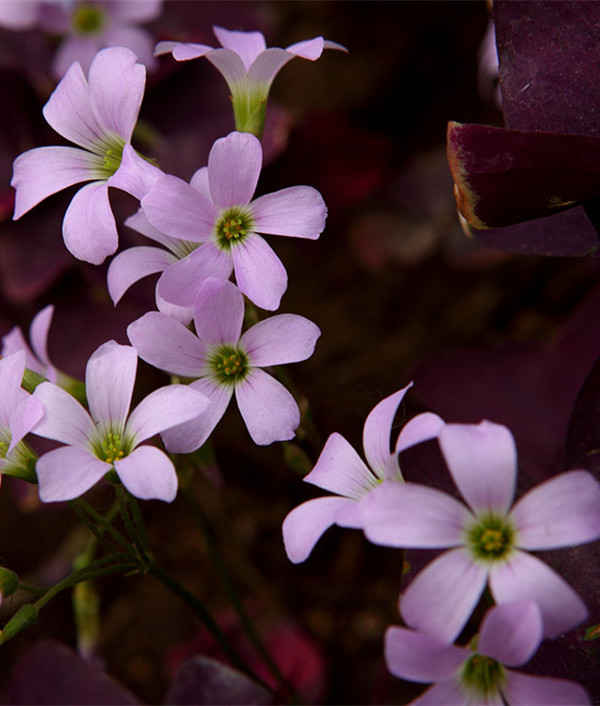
x=225, y=362
x=217, y=210
x=488, y=539
x=510, y=635
x=340, y=470
x=36, y=360
x=248, y=67
x=108, y=437
x=98, y=115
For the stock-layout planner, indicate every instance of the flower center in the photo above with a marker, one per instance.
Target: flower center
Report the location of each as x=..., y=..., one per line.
x=229, y=364
x=482, y=675
x=111, y=447
x=491, y=538
x=87, y=19
x=232, y=227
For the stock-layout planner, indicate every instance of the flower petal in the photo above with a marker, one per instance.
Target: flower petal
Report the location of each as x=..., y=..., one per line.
x=298, y=212
x=138, y=40
x=234, y=165
x=109, y=380
x=423, y=427
x=23, y=419
x=141, y=224
x=190, y=436
x=449, y=693
x=182, y=51
x=285, y=338
x=149, y=474
x=267, y=66
x=482, y=459
x=259, y=273
x=66, y=473
x=43, y=171
x=525, y=577
x=305, y=524
x=218, y=312
x=412, y=515
x=11, y=373
x=136, y=12
x=89, y=228
x=132, y=265
x=38, y=333
x=310, y=49
x=421, y=658
x=74, y=49
x=13, y=342
x=135, y=174
x=65, y=419
x=442, y=596
x=226, y=61
x=340, y=470
x=247, y=45
x=525, y=690
x=563, y=511
x=165, y=408
x=376, y=435
x=167, y=344
x=200, y=182
x=511, y=632
x=269, y=410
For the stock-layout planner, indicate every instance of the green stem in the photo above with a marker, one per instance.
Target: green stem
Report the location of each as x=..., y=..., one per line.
x=139, y=523
x=31, y=589
x=88, y=515
x=130, y=525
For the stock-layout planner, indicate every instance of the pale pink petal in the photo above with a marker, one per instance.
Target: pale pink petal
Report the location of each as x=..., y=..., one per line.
x=298, y=212
x=219, y=312
x=140, y=41
x=376, y=435
x=180, y=283
x=420, y=657
x=89, y=228
x=328, y=44
x=511, y=632
x=285, y=338
x=183, y=314
x=109, y=379
x=74, y=49
x=167, y=344
x=182, y=51
x=200, y=182
x=43, y=171
x=349, y=515
x=247, y=45
x=526, y=690
x=269, y=410
x=310, y=49
x=141, y=224
x=259, y=273
x=340, y=470
x=13, y=342
x=11, y=373
x=563, y=511
x=165, y=408
x=411, y=515
x=525, y=577
x=19, y=15
x=38, y=333
x=135, y=11
x=177, y=209
x=149, y=474
x=420, y=428
x=117, y=84
x=305, y=524
x=267, y=66
x=190, y=436
x=445, y=693
x=132, y=265
x=66, y=473
x=482, y=459
x=23, y=419
x=226, y=61
x=234, y=165
x=65, y=420
x=135, y=174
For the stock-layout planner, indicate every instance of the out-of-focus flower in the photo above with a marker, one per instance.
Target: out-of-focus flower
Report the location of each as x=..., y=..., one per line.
x=36, y=360
x=109, y=437
x=99, y=116
x=340, y=470
x=226, y=362
x=510, y=635
x=486, y=540
x=248, y=67
x=217, y=210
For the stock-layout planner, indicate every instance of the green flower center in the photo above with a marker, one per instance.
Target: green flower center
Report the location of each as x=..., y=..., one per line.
x=87, y=19
x=482, y=676
x=232, y=227
x=229, y=364
x=112, y=447
x=491, y=538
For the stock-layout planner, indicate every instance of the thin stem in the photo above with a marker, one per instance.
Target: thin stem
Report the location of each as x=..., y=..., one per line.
x=130, y=525
x=139, y=523
x=103, y=524
x=32, y=589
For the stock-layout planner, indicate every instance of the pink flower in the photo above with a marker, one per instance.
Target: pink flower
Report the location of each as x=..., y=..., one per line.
x=99, y=116
x=488, y=538
x=216, y=209
x=225, y=361
x=108, y=437
x=341, y=470
x=510, y=635
x=37, y=361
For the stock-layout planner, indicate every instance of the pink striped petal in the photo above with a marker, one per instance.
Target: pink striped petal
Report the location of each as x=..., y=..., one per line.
x=23, y=419
x=135, y=174
x=149, y=474
x=298, y=212
x=234, y=165
x=269, y=410
x=483, y=462
x=305, y=525
x=134, y=264
x=527, y=690
x=441, y=598
x=524, y=577
x=219, y=312
x=259, y=273
x=511, y=632
x=285, y=338
x=420, y=428
x=247, y=45
x=65, y=420
x=66, y=473
x=109, y=379
x=563, y=511
x=38, y=333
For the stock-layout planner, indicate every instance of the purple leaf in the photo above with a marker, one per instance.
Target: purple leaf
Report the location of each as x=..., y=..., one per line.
x=583, y=439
